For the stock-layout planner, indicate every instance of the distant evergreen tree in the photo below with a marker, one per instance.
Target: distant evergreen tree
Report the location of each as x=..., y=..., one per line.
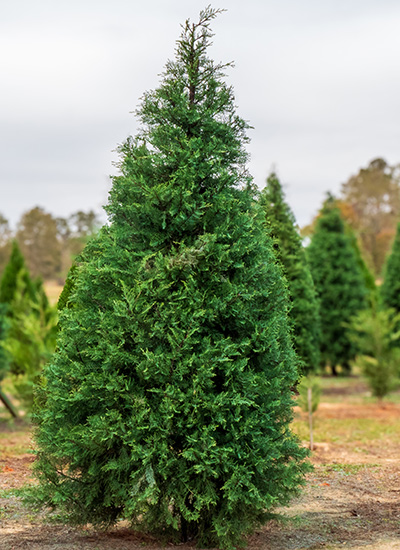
x=390, y=289
x=168, y=401
x=369, y=280
x=289, y=250
x=30, y=321
x=4, y=358
x=340, y=285
x=8, y=282
x=375, y=331
x=30, y=340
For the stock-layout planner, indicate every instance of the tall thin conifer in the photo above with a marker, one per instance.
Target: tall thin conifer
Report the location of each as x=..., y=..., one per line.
x=304, y=310
x=340, y=284
x=390, y=289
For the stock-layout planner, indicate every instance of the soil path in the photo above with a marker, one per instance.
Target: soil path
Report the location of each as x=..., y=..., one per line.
x=351, y=500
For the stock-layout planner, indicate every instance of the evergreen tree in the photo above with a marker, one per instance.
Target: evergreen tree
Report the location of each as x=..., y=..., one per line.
x=168, y=401
x=27, y=326
x=30, y=340
x=377, y=337
x=64, y=298
x=339, y=283
x=369, y=280
x=4, y=358
x=8, y=282
x=304, y=312
x=390, y=289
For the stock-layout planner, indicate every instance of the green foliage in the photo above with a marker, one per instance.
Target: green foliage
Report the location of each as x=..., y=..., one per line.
x=339, y=283
x=369, y=280
x=4, y=358
x=30, y=321
x=376, y=336
x=168, y=400
x=30, y=340
x=304, y=312
x=5, y=242
x=305, y=383
x=390, y=289
x=73, y=233
x=64, y=299
x=8, y=283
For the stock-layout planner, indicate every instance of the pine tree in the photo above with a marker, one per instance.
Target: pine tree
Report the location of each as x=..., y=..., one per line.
x=168, y=401
x=390, y=289
x=304, y=312
x=339, y=283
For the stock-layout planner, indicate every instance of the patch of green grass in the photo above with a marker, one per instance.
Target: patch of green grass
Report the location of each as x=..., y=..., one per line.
x=346, y=469
x=351, y=389
x=10, y=493
x=349, y=430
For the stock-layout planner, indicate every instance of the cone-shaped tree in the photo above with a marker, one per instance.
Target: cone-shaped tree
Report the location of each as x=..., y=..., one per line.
x=369, y=280
x=8, y=282
x=304, y=312
x=168, y=400
x=30, y=339
x=340, y=285
x=4, y=358
x=27, y=325
x=390, y=289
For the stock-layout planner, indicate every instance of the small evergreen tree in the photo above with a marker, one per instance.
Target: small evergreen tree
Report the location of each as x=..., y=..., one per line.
x=168, y=401
x=4, y=358
x=30, y=340
x=376, y=335
x=8, y=282
x=390, y=289
x=304, y=312
x=369, y=280
x=339, y=283
x=30, y=320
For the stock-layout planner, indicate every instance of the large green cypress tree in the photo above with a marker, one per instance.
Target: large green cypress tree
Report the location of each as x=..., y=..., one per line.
x=390, y=289
x=304, y=312
x=168, y=401
x=340, y=285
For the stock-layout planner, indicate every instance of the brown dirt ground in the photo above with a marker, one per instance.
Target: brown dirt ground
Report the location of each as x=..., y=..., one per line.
x=351, y=500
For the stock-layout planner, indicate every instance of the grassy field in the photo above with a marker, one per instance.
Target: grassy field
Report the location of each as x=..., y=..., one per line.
x=351, y=499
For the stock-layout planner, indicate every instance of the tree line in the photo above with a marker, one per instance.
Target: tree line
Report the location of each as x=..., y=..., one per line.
x=49, y=244
x=370, y=204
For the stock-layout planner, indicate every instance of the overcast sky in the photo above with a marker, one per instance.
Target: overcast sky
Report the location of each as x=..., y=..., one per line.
x=317, y=79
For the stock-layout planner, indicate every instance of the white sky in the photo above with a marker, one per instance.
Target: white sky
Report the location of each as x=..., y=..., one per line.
x=317, y=79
